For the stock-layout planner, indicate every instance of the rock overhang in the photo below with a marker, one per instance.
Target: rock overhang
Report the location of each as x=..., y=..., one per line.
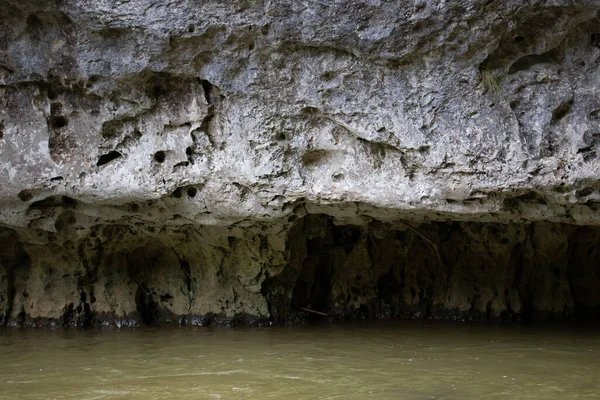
x=251, y=116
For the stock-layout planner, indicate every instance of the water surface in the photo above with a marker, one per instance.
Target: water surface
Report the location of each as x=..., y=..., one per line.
x=374, y=361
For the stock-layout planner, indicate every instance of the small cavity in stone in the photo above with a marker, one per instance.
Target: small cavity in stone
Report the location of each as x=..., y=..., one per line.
x=177, y=193
x=108, y=157
x=25, y=195
x=58, y=122
x=191, y=192
x=160, y=156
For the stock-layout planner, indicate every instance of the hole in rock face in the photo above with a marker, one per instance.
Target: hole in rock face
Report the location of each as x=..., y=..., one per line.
x=561, y=111
x=34, y=22
x=25, y=195
x=53, y=93
x=147, y=307
x=160, y=156
x=191, y=192
x=58, y=121
x=208, y=88
x=553, y=56
x=108, y=157
x=314, y=157
x=584, y=192
x=338, y=177
x=177, y=193
x=54, y=202
x=313, y=289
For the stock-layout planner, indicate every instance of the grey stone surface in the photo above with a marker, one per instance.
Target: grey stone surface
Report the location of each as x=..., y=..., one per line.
x=185, y=123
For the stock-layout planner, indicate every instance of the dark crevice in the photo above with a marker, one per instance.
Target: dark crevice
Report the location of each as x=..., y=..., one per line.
x=205, y=125
x=87, y=316
x=561, y=111
x=189, y=281
x=400, y=277
x=553, y=56
x=192, y=191
x=58, y=121
x=584, y=192
x=160, y=156
x=34, y=22
x=68, y=315
x=177, y=193
x=310, y=111
x=25, y=195
x=54, y=201
x=313, y=288
x=208, y=90
x=595, y=39
x=181, y=164
x=185, y=267
x=108, y=157
x=315, y=157
x=147, y=308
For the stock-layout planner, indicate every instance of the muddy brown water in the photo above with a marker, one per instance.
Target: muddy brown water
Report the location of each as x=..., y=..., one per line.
x=403, y=360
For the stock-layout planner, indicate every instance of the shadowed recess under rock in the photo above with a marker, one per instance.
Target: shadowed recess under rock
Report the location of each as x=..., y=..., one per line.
x=203, y=275
x=274, y=162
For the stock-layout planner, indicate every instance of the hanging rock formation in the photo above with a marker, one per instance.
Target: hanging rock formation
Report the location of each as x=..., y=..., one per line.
x=203, y=162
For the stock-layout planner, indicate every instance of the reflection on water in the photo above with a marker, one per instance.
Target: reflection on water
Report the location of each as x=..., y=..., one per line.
x=378, y=361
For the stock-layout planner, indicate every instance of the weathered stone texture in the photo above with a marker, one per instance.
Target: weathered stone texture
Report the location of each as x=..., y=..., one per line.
x=156, y=157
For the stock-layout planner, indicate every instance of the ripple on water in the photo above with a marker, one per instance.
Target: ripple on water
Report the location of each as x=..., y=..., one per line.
x=345, y=362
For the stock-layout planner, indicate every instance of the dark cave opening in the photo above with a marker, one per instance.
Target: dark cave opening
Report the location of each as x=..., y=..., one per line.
x=462, y=271
x=314, y=284
x=313, y=287
x=143, y=265
x=147, y=309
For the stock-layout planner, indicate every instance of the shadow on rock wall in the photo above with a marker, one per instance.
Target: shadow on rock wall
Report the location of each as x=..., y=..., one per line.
x=199, y=275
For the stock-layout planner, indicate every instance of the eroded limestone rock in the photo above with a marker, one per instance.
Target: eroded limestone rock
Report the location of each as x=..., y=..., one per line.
x=120, y=275
x=157, y=159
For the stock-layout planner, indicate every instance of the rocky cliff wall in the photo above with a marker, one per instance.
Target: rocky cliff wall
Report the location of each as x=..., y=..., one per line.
x=237, y=160
x=120, y=275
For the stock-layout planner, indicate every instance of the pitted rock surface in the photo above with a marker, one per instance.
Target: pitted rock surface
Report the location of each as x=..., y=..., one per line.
x=194, y=137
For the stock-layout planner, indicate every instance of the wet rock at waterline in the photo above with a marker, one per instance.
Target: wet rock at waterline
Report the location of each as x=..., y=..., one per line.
x=236, y=162
x=261, y=274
